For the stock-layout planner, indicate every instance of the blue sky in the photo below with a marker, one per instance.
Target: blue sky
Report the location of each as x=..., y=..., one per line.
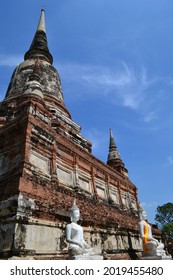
x=115, y=62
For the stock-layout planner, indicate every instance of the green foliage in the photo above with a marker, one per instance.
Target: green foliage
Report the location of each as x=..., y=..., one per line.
x=164, y=218
x=168, y=231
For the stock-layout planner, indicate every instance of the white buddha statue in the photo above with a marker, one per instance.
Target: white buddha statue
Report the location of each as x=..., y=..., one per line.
x=151, y=246
x=74, y=234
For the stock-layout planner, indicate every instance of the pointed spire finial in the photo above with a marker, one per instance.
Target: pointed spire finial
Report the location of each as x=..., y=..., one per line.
x=112, y=141
x=114, y=159
x=41, y=24
x=113, y=151
x=39, y=47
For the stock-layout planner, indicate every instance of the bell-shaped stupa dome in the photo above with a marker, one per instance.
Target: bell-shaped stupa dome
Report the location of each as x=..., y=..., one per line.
x=36, y=75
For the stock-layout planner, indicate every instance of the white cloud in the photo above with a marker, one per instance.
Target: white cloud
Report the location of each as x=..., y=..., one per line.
x=122, y=85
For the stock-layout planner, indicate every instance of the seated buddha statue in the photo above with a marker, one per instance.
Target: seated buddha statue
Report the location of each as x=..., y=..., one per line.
x=75, y=236
x=151, y=246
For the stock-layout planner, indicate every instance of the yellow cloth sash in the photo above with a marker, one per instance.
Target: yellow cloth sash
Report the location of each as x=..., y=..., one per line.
x=145, y=238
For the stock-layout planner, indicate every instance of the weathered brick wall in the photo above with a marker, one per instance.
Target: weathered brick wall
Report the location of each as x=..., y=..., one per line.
x=44, y=198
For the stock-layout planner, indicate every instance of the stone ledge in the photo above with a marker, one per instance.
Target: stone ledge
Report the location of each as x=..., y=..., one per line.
x=86, y=257
x=156, y=258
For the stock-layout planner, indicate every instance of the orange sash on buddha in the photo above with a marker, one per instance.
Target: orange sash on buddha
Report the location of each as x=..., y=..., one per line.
x=145, y=238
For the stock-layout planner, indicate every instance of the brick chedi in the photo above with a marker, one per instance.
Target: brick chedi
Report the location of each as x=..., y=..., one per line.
x=45, y=163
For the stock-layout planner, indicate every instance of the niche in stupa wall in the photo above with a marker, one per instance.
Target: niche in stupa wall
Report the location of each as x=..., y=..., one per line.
x=133, y=204
x=125, y=199
x=84, y=180
x=114, y=195
x=85, y=184
x=39, y=162
x=65, y=175
x=101, y=188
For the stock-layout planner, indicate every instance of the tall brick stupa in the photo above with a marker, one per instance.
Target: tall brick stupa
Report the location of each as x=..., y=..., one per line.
x=45, y=163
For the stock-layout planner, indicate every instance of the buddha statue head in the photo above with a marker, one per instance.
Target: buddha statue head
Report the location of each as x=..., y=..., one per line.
x=142, y=213
x=74, y=212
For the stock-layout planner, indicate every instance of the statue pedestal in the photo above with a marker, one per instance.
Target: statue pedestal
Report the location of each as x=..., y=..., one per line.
x=86, y=257
x=149, y=258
